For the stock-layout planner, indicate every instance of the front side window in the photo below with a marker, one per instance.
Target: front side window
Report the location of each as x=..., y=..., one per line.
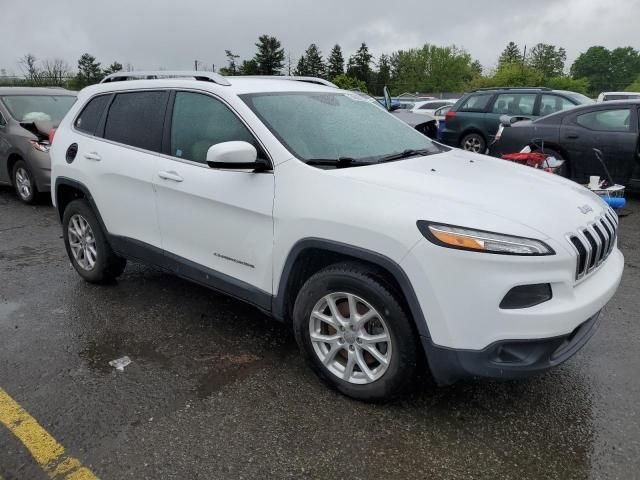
x=137, y=119
x=607, y=120
x=3, y=122
x=475, y=103
x=91, y=114
x=554, y=103
x=514, y=104
x=327, y=125
x=200, y=121
x=34, y=108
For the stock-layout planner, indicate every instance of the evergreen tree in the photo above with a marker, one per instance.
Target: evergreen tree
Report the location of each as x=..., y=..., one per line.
x=335, y=63
x=315, y=67
x=511, y=54
x=89, y=71
x=301, y=68
x=232, y=65
x=270, y=55
x=113, y=68
x=249, y=67
x=383, y=77
x=360, y=64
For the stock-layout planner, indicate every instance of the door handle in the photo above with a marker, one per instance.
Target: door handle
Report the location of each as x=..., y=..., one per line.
x=173, y=176
x=92, y=156
x=573, y=137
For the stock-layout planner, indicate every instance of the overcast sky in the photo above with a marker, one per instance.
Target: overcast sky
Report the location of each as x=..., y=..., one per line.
x=158, y=33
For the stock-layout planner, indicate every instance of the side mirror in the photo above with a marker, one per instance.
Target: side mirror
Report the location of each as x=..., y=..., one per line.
x=394, y=107
x=234, y=155
x=387, y=98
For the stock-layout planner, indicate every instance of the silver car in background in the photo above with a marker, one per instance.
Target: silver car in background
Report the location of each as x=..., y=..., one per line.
x=27, y=117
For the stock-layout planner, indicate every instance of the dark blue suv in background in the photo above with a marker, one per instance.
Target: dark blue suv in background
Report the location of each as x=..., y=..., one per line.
x=474, y=120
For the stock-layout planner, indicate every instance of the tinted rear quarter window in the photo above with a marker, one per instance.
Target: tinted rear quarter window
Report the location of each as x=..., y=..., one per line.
x=91, y=114
x=606, y=120
x=476, y=103
x=137, y=119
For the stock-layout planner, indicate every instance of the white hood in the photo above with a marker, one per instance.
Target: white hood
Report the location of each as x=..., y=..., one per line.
x=542, y=201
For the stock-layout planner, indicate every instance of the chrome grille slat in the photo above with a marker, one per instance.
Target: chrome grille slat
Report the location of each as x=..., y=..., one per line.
x=594, y=243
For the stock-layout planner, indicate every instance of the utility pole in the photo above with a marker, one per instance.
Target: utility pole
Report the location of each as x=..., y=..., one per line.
x=213, y=67
x=195, y=64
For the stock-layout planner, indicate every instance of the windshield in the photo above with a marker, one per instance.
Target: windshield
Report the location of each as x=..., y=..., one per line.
x=339, y=125
x=32, y=108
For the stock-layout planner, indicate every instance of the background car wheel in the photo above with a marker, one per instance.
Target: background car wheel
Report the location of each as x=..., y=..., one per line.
x=473, y=142
x=353, y=331
x=87, y=246
x=24, y=183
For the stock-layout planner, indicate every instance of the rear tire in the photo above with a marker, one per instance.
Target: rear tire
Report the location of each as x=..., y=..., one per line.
x=370, y=355
x=473, y=142
x=87, y=245
x=24, y=183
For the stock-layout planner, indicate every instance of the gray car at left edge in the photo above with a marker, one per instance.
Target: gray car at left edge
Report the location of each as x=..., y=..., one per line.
x=27, y=116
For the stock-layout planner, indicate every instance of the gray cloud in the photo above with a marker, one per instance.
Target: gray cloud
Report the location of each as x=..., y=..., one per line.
x=171, y=34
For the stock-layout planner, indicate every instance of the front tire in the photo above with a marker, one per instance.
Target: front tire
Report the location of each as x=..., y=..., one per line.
x=354, y=333
x=24, y=183
x=473, y=142
x=87, y=245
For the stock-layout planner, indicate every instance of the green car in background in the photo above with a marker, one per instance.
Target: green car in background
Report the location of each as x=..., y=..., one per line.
x=473, y=121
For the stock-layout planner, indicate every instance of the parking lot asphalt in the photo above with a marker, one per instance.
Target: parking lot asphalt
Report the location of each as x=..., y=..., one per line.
x=217, y=390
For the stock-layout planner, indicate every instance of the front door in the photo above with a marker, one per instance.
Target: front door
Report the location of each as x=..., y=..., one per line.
x=614, y=131
x=217, y=225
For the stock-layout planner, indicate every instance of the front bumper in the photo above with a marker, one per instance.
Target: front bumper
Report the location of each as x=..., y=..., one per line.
x=507, y=359
x=40, y=164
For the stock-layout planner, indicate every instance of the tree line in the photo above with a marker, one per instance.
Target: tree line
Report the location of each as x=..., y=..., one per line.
x=429, y=68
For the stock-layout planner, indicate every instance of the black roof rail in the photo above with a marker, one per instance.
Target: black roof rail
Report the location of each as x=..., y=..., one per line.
x=490, y=89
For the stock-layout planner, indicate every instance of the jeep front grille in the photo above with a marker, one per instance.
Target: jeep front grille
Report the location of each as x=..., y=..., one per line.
x=594, y=242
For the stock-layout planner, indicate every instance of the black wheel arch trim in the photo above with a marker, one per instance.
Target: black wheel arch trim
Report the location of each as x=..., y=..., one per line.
x=280, y=299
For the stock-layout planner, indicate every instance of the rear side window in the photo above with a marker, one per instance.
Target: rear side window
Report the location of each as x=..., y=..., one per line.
x=199, y=122
x=432, y=106
x=554, y=103
x=515, y=104
x=137, y=119
x=91, y=114
x=607, y=120
x=475, y=103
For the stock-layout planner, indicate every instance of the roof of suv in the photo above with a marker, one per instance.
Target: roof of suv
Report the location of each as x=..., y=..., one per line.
x=237, y=85
x=35, y=91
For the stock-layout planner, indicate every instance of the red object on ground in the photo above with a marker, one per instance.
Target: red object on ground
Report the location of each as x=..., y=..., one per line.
x=532, y=159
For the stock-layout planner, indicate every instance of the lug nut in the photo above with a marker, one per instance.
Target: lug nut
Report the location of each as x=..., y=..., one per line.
x=341, y=341
x=359, y=340
x=351, y=347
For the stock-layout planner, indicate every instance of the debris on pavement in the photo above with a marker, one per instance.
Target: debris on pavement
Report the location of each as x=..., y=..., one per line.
x=120, y=363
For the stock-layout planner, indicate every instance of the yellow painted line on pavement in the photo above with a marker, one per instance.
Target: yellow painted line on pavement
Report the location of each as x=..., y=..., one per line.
x=49, y=454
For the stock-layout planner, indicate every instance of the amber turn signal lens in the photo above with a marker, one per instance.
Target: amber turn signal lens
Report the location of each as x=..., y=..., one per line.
x=457, y=240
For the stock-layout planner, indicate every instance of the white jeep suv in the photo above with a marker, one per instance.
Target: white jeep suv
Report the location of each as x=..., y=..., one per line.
x=379, y=246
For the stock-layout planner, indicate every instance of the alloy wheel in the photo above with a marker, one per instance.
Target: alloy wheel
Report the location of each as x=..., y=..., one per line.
x=350, y=338
x=473, y=144
x=23, y=182
x=82, y=242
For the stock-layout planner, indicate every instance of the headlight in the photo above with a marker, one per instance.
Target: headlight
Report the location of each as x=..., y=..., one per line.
x=41, y=146
x=481, y=241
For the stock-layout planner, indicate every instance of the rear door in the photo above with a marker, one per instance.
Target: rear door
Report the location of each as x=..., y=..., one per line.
x=119, y=146
x=216, y=224
x=511, y=104
x=612, y=130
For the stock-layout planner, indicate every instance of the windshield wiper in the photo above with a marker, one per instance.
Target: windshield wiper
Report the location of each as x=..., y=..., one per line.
x=405, y=154
x=340, y=162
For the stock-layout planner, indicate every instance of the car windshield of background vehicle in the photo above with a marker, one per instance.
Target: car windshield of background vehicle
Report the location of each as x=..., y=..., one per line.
x=33, y=108
x=335, y=126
